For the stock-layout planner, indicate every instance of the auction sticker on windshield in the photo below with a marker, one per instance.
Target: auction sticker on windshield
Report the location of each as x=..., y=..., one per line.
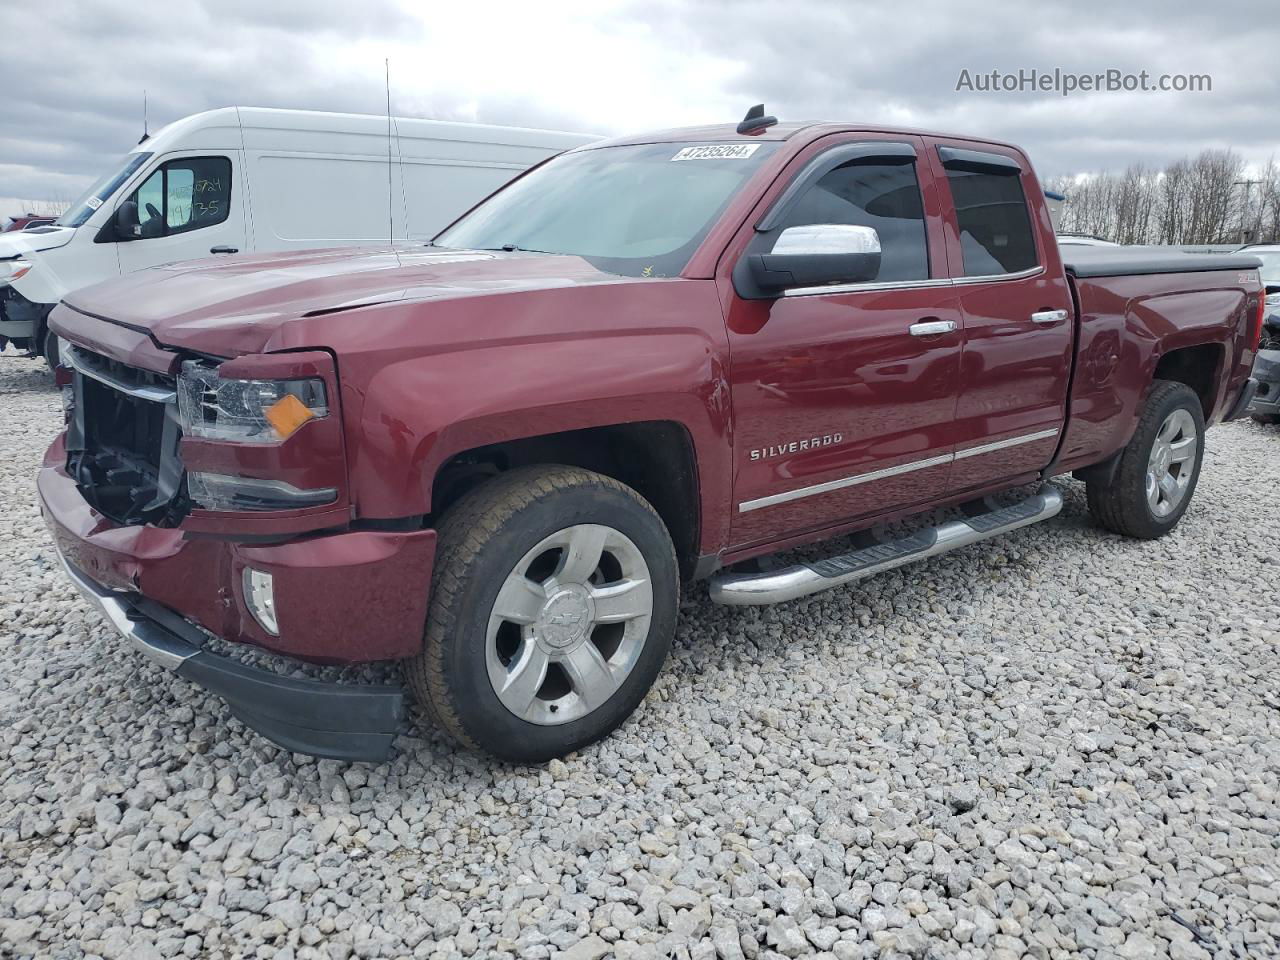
x=718, y=151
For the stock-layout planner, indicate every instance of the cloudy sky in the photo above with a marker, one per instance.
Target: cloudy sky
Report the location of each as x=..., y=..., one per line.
x=74, y=70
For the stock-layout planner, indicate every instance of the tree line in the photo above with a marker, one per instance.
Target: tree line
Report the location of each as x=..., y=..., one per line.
x=1210, y=198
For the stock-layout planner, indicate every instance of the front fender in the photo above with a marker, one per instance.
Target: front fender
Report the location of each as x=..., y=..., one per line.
x=415, y=413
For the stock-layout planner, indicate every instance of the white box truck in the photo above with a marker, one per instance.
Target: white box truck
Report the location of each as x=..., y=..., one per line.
x=241, y=179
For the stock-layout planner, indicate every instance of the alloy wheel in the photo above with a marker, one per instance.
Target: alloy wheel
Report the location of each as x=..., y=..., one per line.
x=1171, y=463
x=569, y=624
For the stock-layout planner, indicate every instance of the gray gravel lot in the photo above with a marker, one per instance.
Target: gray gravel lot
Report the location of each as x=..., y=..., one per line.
x=1054, y=744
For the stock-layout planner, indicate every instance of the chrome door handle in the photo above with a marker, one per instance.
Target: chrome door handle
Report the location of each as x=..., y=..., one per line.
x=931, y=328
x=1049, y=316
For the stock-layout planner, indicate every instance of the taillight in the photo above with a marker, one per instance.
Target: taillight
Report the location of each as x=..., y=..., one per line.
x=1257, y=321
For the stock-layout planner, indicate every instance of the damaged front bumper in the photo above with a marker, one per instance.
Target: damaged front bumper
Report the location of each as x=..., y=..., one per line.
x=1266, y=371
x=342, y=722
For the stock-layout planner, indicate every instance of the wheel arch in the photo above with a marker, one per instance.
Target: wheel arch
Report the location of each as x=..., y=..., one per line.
x=656, y=458
x=1201, y=366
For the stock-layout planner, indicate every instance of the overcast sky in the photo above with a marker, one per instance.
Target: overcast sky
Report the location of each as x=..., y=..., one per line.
x=73, y=72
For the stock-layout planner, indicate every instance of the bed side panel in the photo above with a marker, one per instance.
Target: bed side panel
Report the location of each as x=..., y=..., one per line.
x=1127, y=324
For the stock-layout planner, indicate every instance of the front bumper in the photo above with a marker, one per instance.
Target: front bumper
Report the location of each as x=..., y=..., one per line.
x=1266, y=370
x=343, y=722
x=341, y=598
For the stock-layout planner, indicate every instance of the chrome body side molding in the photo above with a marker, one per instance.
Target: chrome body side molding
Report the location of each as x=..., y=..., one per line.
x=786, y=496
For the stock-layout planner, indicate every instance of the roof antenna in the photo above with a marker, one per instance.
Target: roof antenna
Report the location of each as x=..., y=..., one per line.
x=145, y=136
x=391, y=229
x=755, y=120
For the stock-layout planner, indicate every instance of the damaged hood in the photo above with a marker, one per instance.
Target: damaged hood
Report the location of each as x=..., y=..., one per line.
x=207, y=305
x=18, y=243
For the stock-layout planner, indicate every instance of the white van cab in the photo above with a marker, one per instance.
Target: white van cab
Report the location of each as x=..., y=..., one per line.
x=252, y=179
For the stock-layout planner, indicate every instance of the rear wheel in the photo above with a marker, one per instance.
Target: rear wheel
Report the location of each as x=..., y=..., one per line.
x=1158, y=470
x=554, y=601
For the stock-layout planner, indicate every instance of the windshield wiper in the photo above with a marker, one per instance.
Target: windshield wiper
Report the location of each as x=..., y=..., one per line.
x=510, y=248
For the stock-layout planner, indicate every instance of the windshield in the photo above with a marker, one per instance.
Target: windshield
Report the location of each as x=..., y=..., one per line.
x=1270, y=265
x=100, y=192
x=637, y=211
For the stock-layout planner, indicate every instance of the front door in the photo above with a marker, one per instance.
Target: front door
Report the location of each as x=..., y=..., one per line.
x=1018, y=316
x=844, y=397
x=189, y=207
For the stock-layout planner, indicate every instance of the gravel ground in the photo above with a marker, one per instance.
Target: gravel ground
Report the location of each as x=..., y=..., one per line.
x=1054, y=744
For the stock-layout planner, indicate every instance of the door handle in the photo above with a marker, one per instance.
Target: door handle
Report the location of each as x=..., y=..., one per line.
x=224, y=250
x=1047, y=317
x=931, y=328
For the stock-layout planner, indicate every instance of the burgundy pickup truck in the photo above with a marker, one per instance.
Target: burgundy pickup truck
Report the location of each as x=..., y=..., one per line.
x=497, y=457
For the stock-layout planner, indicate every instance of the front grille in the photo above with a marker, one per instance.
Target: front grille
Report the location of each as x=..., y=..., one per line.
x=122, y=441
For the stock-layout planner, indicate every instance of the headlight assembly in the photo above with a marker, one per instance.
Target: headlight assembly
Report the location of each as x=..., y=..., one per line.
x=11, y=270
x=245, y=411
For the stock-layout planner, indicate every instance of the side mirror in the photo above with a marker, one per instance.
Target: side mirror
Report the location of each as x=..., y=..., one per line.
x=126, y=221
x=813, y=256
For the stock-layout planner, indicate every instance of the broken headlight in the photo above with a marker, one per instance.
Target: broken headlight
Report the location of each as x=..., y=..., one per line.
x=245, y=411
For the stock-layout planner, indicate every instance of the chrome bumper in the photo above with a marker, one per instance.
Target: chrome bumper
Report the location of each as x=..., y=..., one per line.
x=144, y=634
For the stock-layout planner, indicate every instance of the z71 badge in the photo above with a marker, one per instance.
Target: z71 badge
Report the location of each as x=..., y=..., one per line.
x=795, y=446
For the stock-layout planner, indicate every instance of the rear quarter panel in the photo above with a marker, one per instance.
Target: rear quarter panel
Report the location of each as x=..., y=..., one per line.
x=1126, y=325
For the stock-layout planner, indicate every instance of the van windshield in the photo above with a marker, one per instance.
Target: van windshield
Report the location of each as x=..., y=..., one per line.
x=636, y=211
x=100, y=192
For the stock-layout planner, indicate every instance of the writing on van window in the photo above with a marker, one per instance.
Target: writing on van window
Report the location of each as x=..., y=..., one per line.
x=186, y=194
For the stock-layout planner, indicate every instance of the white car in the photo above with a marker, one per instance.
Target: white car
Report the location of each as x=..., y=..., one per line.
x=242, y=179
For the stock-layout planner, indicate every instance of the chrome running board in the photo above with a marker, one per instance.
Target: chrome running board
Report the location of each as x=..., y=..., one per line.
x=740, y=590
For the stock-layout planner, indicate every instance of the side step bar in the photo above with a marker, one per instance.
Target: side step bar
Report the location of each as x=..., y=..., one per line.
x=741, y=590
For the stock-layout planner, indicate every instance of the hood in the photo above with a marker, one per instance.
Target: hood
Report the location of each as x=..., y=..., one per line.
x=16, y=243
x=235, y=304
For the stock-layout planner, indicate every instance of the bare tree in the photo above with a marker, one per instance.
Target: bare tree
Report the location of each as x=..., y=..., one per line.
x=1135, y=205
x=1194, y=200
x=44, y=208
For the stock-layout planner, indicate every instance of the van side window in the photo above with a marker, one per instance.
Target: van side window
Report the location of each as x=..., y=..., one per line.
x=995, y=228
x=872, y=193
x=182, y=195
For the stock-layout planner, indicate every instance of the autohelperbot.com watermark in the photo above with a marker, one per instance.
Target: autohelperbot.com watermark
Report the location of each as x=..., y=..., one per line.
x=1066, y=82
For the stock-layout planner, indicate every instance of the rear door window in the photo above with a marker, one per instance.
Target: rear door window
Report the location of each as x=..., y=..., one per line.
x=995, y=226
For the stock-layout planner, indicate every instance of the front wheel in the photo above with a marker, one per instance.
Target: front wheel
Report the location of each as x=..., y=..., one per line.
x=1158, y=470
x=554, y=602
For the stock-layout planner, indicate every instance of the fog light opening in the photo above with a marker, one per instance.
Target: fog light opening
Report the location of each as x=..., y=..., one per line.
x=260, y=598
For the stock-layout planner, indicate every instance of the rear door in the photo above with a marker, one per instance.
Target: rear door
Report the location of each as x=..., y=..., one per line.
x=844, y=397
x=1017, y=312
x=189, y=207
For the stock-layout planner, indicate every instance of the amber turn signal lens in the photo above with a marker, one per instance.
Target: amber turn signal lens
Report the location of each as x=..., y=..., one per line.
x=287, y=414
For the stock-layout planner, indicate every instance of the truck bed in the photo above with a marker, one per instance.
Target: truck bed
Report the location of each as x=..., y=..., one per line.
x=1084, y=261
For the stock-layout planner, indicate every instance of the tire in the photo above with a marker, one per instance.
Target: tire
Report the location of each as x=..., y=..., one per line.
x=548, y=678
x=49, y=341
x=1126, y=505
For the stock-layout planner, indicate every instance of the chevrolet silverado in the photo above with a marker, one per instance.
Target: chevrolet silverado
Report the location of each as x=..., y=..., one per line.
x=647, y=362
